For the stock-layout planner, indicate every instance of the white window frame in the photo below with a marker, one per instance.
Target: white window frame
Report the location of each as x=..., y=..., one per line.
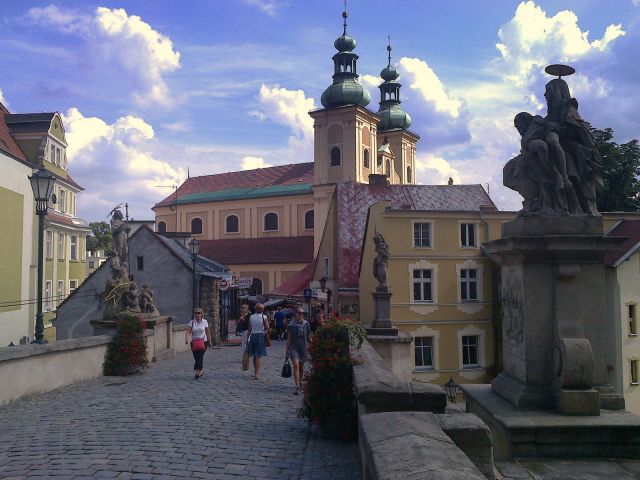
x=473, y=306
x=472, y=331
x=48, y=244
x=420, y=307
x=226, y=225
x=48, y=289
x=73, y=247
x=73, y=285
x=422, y=348
x=632, y=319
x=60, y=292
x=304, y=220
x=467, y=343
x=62, y=201
x=61, y=246
x=264, y=222
x=466, y=281
x=413, y=234
x=422, y=281
x=633, y=371
x=465, y=227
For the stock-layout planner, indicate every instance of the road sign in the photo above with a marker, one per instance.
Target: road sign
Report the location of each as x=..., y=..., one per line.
x=245, y=282
x=307, y=294
x=224, y=284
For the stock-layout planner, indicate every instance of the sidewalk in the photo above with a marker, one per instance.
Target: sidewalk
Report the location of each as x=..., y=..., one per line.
x=165, y=425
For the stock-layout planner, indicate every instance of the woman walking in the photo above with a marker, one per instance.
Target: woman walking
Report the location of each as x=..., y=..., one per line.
x=256, y=346
x=200, y=334
x=298, y=341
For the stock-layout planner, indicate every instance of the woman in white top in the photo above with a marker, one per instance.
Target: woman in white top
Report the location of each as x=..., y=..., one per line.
x=256, y=346
x=198, y=328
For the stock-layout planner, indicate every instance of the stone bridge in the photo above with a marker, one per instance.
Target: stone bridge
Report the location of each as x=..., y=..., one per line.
x=165, y=425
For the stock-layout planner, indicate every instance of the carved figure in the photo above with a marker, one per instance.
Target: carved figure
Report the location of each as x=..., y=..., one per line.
x=380, y=261
x=145, y=300
x=557, y=171
x=119, y=239
x=130, y=299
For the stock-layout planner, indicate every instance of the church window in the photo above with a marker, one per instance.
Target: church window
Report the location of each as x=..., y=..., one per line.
x=196, y=226
x=379, y=161
x=366, y=158
x=308, y=220
x=232, y=224
x=162, y=227
x=271, y=222
x=388, y=168
x=409, y=175
x=335, y=157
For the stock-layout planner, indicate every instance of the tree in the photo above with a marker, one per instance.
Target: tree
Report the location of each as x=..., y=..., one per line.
x=100, y=238
x=620, y=170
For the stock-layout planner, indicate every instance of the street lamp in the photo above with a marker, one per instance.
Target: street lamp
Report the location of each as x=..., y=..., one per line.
x=451, y=387
x=323, y=287
x=194, y=247
x=42, y=186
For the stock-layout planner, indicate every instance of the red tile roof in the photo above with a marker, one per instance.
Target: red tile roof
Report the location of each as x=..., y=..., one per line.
x=295, y=285
x=354, y=200
x=244, y=251
x=66, y=220
x=7, y=142
x=292, y=174
x=626, y=228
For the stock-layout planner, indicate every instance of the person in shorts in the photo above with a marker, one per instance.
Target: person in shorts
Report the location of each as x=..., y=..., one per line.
x=298, y=341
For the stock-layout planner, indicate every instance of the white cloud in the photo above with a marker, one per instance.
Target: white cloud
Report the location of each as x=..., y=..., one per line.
x=435, y=170
x=116, y=163
x=178, y=127
x=531, y=40
x=426, y=83
x=265, y=6
x=121, y=45
x=288, y=107
x=250, y=163
x=3, y=100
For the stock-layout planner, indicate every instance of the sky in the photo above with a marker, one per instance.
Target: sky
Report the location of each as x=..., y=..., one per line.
x=151, y=91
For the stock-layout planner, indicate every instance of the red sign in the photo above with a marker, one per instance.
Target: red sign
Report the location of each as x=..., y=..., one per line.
x=224, y=284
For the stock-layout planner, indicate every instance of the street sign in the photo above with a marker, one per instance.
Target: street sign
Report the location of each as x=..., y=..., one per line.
x=307, y=294
x=245, y=282
x=224, y=284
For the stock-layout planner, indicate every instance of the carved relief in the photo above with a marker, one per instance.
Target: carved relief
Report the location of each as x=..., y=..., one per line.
x=512, y=310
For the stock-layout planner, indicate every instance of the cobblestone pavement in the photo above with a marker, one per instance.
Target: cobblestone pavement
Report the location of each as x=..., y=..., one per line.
x=164, y=424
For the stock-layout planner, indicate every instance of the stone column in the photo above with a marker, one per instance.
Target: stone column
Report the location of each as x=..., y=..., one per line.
x=382, y=320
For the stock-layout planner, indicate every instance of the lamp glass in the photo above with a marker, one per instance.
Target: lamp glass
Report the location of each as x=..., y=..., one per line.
x=42, y=184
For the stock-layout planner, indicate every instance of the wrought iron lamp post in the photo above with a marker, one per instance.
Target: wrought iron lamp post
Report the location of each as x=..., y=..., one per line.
x=451, y=387
x=42, y=185
x=323, y=287
x=194, y=247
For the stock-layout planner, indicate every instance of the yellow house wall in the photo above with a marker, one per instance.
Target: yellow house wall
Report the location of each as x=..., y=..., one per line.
x=447, y=318
x=628, y=280
x=271, y=274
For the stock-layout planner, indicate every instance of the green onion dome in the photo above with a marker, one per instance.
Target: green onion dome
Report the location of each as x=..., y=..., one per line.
x=345, y=91
x=393, y=117
x=345, y=43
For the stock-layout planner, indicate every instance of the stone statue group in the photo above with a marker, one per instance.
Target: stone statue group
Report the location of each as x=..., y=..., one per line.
x=558, y=169
x=121, y=293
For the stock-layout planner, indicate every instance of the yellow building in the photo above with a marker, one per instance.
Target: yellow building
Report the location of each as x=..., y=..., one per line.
x=41, y=138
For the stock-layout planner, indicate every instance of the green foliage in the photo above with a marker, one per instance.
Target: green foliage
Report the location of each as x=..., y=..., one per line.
x=329, y=401
x=100, y=238
x=128, y=351
x=620, y=169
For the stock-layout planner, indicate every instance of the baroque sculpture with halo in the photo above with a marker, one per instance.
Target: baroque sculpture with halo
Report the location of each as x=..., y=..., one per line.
x=554, y=397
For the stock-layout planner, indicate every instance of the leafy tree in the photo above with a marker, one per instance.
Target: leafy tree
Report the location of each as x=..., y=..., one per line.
x=620, y=169
x=100, y=238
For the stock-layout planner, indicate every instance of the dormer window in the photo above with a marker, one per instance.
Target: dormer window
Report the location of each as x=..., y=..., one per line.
x=56, y=156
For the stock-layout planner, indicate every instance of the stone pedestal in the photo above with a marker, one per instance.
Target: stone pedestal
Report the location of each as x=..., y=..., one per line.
x=382, y=321
x=396, y=351
x=555, y=324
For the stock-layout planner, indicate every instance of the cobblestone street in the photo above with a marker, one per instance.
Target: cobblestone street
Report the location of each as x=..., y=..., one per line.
x=164, y=424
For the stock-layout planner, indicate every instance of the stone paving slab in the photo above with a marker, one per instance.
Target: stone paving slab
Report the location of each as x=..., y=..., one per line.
x=166, y=425
x=562, y=469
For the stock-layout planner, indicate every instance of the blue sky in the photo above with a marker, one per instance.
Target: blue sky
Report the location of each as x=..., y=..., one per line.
x=151, y=88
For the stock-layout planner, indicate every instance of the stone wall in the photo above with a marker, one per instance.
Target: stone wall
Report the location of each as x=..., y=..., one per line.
x=210, y=303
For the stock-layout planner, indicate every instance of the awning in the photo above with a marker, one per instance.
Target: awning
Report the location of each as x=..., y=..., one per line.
x=274, y=303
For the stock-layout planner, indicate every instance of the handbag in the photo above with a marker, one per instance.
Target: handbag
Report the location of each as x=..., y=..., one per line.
x=286, y=368
x=197, y=344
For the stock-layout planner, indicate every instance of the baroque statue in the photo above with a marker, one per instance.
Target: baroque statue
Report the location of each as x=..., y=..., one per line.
x=380, y=268
x=558, y=169
x=119, y=237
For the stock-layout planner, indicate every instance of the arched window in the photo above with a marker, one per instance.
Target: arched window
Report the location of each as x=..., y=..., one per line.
x=335, y=157
x=271, y=221
x=388, y=168
x=162, y=227
x=409, y=174
x=231, y=224
x=379, y=161
x=308, y=220
x=366, y=158
x=196, y=225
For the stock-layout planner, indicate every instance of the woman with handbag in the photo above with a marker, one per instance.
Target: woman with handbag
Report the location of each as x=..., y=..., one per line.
x=298, y=341
x=256, y=344
x=200, y=334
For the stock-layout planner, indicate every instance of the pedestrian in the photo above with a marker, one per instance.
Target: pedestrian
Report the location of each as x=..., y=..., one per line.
x=298, y=341
x=256, y=346
x=200, y=334
x=242, y=325
x=280, y=325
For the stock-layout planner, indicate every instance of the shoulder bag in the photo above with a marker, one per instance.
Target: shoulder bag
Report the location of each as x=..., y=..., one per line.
x=286, y=368
x=197, y=344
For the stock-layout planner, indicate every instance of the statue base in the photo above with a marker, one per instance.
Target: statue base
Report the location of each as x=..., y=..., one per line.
x=382, y=304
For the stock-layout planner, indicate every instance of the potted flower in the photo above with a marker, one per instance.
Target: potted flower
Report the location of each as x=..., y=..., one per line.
x=127, y=353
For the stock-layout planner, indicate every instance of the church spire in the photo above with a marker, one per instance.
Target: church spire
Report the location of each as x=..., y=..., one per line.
x=392, y=117
x=346, y=88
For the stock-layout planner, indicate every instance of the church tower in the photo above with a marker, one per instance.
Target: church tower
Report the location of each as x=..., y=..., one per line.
x=396, y=156
x=345, y=132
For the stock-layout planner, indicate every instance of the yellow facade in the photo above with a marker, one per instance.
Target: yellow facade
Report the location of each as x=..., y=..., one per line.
x=452, y=326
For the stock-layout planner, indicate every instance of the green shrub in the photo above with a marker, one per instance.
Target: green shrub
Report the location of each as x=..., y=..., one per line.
x=329, y=401
x=127, y=353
